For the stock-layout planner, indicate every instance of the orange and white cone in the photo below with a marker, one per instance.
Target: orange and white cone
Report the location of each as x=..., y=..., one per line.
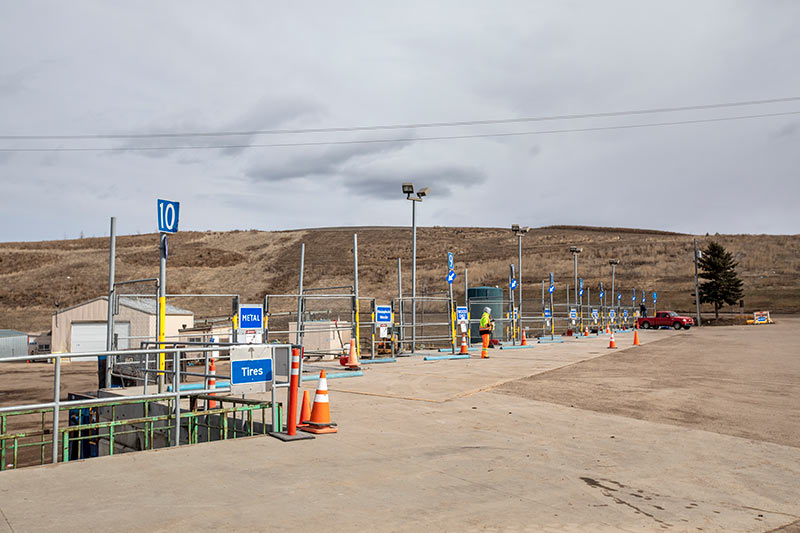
x=636, y=337
x=352, y=359
x=320, y=420
x=611, y=343
x=524, y=339
x=464, y=349
x=305, y=411
x=586, y=332
x=608, y=329
x=212, y=382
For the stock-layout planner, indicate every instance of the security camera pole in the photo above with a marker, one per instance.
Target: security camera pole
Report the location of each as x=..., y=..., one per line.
x=697, y=255
x=408, y=190
x=613, y=263
x=575, y=251
x=519, y=232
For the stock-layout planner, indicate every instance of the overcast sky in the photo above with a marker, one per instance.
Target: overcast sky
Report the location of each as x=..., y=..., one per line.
x=102, y=67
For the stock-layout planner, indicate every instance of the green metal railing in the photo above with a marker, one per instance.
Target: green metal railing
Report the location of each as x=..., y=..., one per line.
x=215, y=421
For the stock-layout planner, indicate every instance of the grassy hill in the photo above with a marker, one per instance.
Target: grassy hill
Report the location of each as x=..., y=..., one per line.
x=39, y=276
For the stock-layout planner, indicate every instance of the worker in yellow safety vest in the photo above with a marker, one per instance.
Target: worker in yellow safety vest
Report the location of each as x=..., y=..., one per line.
x=486, y=328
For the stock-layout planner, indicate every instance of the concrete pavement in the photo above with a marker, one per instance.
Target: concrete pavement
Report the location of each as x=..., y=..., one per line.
x=430, y=445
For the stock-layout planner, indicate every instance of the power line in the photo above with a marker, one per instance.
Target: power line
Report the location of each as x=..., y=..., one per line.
x=401, y=139
x=401, y=126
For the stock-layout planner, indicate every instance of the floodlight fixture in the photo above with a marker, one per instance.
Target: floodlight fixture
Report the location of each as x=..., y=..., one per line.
x=515, y=228
x=575, y=249
x=408, y=188
x=423, y=192
x=613, y=261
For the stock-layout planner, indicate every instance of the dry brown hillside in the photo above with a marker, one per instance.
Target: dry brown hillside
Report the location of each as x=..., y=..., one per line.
x=37, y=276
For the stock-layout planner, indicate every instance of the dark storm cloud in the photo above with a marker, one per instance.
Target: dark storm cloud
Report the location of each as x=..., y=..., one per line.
x=442, y=180
x=326, y=163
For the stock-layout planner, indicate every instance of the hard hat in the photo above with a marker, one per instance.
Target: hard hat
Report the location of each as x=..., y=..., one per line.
x=487, y=310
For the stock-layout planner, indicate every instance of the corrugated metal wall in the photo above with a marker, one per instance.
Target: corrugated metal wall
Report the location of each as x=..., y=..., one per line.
x=13, y=346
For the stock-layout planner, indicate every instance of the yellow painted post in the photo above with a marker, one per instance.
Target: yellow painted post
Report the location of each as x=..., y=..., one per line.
x=358, y=327
x=162, y=318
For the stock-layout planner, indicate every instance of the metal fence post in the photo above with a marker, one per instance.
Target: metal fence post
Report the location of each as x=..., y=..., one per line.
x=56, y=407
x=176, y=388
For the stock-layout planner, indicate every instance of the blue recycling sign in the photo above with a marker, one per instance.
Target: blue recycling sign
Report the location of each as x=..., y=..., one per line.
x=513, y=284
x=383, y=314
x=450, y=264
x=595, y=314
x=451, y=276
x=251, y=371
x=573, y=314
x=547, y=313
x=461, y=314
x=612, y=313
x=251, y=316
x=168, y=216
x=625, y=313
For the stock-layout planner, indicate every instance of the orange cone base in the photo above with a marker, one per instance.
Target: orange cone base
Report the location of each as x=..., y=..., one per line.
x=319, y=428
x=285, y=437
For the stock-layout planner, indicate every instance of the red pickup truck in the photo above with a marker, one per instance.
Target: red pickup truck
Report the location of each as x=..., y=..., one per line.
x=666, y=318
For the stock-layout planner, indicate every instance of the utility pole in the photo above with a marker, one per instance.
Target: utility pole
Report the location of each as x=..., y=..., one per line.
x=697, y=255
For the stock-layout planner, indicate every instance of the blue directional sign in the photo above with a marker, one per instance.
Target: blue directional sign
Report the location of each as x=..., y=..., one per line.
x=513, y=284
x=580, y=292
x=168, y=216
x=551, y=289
x=450, y=263
x=451, y=276
x=601, y=294
x=633, y=298
x=547, y=313
x=655, y=296
x=619, y=296
x=461, y=314
x=383, y=314
x=251, y=371
x=644, y=295
x=251, y=316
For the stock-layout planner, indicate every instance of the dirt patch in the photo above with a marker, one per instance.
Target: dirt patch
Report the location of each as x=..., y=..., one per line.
x=737, y=381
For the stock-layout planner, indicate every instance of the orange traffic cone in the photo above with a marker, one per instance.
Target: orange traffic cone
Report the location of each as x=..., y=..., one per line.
x=636, y=337
x=524, y=339
x=608, y=329
x=212, y=382
x=320, y=421
x=586, y=332
x=464, y=350
x=611, y=343
x=305, y=410
x=352, y=359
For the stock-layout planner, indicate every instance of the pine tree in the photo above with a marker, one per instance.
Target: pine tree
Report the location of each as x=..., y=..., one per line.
x=719, y=268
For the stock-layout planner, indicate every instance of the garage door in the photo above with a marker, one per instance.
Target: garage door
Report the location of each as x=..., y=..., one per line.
x=91, y=336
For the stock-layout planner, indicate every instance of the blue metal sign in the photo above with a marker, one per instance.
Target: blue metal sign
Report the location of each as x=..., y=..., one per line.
x=383, y=314
x=573, y=314
x=451, y=276
x=552, y=282
x=580, y=280
x=551, y=289
x=619, y=296
x=168, y=216
x=450, y=264
x=251, y=316
x=547, y=313
x=251, y=371
x=612, y=313
x=655, y=296
x=595, y=314
x=601, y=294
x=461, y=314
x=633, y=298
x=513, y=284
x=625, y=313
x=644, y=295
x=580, y=292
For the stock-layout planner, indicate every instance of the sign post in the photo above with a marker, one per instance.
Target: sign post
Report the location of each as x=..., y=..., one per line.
x=167, y=213
x=552, y=321
x=451, y=276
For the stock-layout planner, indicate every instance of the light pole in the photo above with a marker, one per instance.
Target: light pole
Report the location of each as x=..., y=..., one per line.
x=519, y=232
x=613, y=263
x=408, y=190
x=697, y=255
x=575, y=251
